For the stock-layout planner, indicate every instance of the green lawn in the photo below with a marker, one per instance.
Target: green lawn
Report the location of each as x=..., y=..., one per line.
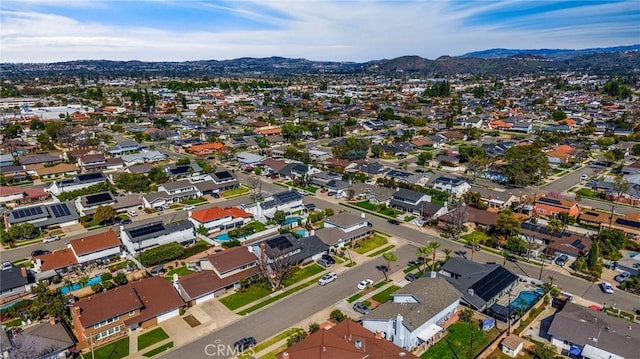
x=479, y=236
x=370, y=244
x=390, y=212
x=192, y=201
x=235, y=192
x=252, y=293
x=366, y=205
x=276, y=298
x=115, y=350
x=257, y=226
x=150, y=338
x=158, y=350
x=379, y=252
x=181, y=271
x=385, y=295
x=302, y=273
x=456, y=343
x=311, y=189
x=13, y=323
x=271, y=341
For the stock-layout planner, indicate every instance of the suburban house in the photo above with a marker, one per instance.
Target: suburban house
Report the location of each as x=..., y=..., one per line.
x=372, y=193
x=170, y=192
x=206, y=149
x=44, y=215
x=407, y=177
x=221, y=272
x=294, y=170
x=190, y=171
x=89, y=162
x=431, y=211
x=15, y=281
x=593, y=334
x=124, y=147
x=343, y=228
x=288, y=201
x=629, y=224
x=224, y=180
x=571, y=244
x=496, y=199
x=88, y=204
x=45, y=340
x=77, y=182
x=454, y=186
x=286, y=248
x=321, y=179
x=39, y=159
x=272, y=166
x=481, y=284
x=96, y=246
x=512, y=345
x=142, y=237
x=346, y=340
x=548, y=207
x=216, y=219
x=416, y=313
x=367, y=167
x=249, y=159
x=478, y=217
x=49, y=172
x=143, y=157
x=109, y=315
x=22, y=195
x=6, y=160
x=58, y=262
x=409, y=200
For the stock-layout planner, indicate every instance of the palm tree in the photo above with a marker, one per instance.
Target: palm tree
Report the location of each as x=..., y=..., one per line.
x=390, y=257
x=423, y=252
x=553, y=226
x=447, y=253
x=83, y=281
x=473, y=242
x=551, y=278
x=434, y=246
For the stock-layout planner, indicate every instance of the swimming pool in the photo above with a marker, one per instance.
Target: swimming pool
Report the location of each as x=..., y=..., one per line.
x=291, y=220
x=222, y=237
x=301, y=232
x=526, y=299
x=76, y=286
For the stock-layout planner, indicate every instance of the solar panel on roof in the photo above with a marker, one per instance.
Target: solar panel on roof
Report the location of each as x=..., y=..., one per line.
x=626, y=222
x=180, y=170
x=91, y=176
x=223, y=175
x=143, y=231
x=280, y=243
x=99, y=197
x=591, y=213
x=60, y=210
x=493, y=283
x=550, y=200
x=578, y=244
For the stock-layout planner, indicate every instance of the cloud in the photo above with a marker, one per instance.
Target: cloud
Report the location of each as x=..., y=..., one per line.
x=49, y=30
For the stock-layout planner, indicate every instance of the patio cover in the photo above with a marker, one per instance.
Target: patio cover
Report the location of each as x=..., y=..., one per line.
x=428, y=332
x=595, y=353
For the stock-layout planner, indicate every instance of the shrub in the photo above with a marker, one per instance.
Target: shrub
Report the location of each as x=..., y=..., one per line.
x=106, y=276
x=97, y=287
x=181, y=311
x=231, y=243
x=193, y=250
x=164, y=253
x=337, y=316
x=120, y=279
x=314, y=327
x=108, y=285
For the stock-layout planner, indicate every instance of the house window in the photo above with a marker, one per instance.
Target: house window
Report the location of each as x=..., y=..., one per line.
x=107, y=333
x=131, y=313
x=105, y=322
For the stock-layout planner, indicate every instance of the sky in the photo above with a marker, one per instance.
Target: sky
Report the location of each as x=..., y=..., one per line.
x=321, y=30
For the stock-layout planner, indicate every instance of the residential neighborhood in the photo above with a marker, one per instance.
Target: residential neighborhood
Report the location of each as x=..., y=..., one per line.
x=330, y=217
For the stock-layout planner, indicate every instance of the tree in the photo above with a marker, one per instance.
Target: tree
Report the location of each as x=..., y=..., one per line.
x=47, y=303
x=36, y=125
x=183, y=161
x=157, y=174
x=279, y=216
x=516, y=245
x=296, y=337
x=255, y=182
x=389, y=257
x=594, y=253
x=376, y=152
x=11, y=130
x=422, y=253
x=477, y=164
x=558, y=115
x=553, y=226
x=566, y=219
x=458, y=216
x=472, y=242
x=447, y=253
x=337, y=316
x=104, y=214
x=120, y=278
x=474, y=199
x=527, y=165
x=424, y=158
x=314, y=327
x=466, y=315
x=543, y=351
x=507, y=225
x=620, y=185
x=353, y=148
x=133, y=182
x=434, y=248
x=83, y=281
x=202, y=230
x=275, y=267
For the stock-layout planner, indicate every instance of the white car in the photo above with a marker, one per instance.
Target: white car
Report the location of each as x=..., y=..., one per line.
x=327, y=278
x=50, y=239
x=188, y=208
x=365, y=283
x=584, y=177
x=606, y=287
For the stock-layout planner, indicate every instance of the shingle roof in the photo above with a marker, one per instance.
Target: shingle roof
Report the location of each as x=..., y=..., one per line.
x=231, y=258
x=56, y=260
x=95, y=242
x=345, y=220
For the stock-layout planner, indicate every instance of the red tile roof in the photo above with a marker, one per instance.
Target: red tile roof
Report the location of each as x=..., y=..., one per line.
x=56, y=260
x=213, y=213
x=95, y=242
x=8, y=190
x=238, y=213
x=215, y=146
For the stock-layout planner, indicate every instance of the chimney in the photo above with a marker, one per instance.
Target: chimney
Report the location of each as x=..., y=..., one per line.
x=263, y=252
x=23, y=272
x=378, y=334
x=52, y=321
x=76, y=311
x=471, y=292
x=285, y=355
x=399, y=326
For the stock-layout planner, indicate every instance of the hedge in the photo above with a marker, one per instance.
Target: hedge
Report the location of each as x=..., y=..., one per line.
x=161, y=254
x=194, y=249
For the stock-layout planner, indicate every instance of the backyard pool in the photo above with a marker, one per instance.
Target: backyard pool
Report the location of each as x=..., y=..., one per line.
x=526, y=299
x=301, y=232
x=222, y=237
x=76, y=286
x=291, y=220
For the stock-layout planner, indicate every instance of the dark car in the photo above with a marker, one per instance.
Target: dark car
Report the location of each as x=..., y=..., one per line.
x=562, y=260
x=244, y=344
x=361, y=308
x=157, y=270
x=39, y=252
x=215, y=195
x=394, y=222
x=511, y=258
x=410, y=277
x=382, y=268
x=126, y=221
x=329, y=258
x=477, y=247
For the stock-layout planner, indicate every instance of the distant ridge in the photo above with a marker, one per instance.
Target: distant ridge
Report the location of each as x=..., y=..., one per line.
x=553, y=54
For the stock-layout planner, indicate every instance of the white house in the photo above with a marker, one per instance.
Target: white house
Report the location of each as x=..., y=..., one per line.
x=288, y=202
x=171, y=192
x=140, y=238
x=416, y=312
x=143, y=157
x=96, y=246
x=343, y=228
x=512, y=345
x=75, y=183
x=217, y=219
x=454, y=186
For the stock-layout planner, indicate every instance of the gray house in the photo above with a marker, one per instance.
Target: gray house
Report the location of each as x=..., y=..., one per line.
x=409, y=200
x=15, y=281
x=416, y=312
x=42, y=216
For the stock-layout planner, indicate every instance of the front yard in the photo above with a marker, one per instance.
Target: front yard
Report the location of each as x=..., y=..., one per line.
x=236, y=192
x=180, y=271
x=302, y=273
x=370, y=244
x=150, y=338
x=479, y=237
x=251, y=294
x=379, y=208
x=311, y=189
x=116, y=350
x=456, y=343
x=194, y=201
x=385, y=295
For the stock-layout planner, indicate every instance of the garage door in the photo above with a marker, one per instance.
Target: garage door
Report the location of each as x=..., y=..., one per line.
x=205, y=298
x=169, y=315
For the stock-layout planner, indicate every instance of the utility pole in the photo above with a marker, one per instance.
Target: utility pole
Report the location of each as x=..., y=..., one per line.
x=509, y=313
x=613, y=210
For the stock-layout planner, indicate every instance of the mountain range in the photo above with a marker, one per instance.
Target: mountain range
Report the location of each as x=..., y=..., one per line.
x=620, y=60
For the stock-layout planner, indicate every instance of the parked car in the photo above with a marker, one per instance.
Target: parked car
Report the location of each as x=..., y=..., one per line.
x=157, y=270
x=394, y=222
x=50, y=239
x=327, y=278
x=126, y=221
x=188, y=208
x=244, y=344
x=329, y=258
x=132, y=212
x=584, y=177
x=39, y=252
x=606, y=287
x=410, y=277
x=325, y=263
x=511, y=258
x=215, y=195
x=562, y=260
x=477, y=247
x=7, y=265
x=365, y=283
x=361, y=308
x=622, y=277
